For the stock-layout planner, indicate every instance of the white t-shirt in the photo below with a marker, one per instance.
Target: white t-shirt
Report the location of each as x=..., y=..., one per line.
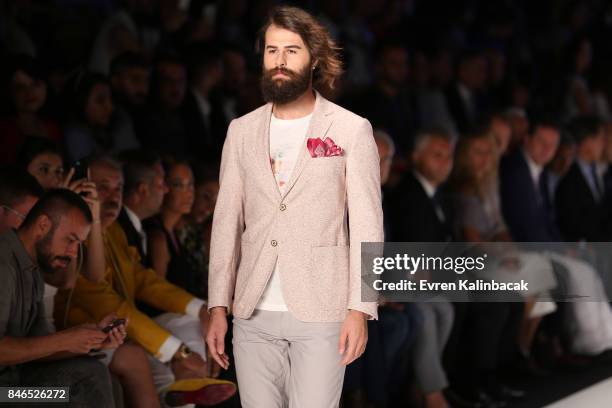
x=286, y=140
x=48, y=299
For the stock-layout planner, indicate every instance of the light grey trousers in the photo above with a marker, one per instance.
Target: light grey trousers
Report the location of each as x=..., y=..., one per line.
x=283, y=362
x=429, y=344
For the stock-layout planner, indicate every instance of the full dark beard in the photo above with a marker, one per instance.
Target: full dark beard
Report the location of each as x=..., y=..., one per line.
x=282, y=91
x=45, y=258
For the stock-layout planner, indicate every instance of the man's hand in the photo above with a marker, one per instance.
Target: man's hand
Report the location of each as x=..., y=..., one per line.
x=214, y=369
x=353, y=336
x=82, y=339
x=215, y=337
x=90, y=191
x=116, y=336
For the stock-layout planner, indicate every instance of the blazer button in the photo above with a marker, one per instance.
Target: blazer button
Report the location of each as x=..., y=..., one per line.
x=274, y=243
x=283, y=207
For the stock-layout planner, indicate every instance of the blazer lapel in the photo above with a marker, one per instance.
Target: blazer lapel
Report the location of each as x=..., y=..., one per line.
x=319, y=125
x=263, y=148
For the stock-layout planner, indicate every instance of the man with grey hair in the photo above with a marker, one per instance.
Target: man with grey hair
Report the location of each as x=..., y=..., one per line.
x=174, y=340
x=426, y=220
x=432, y=160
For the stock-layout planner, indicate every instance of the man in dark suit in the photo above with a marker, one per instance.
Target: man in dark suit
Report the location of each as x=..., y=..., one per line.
x=143, y=192
x=416, y=209
x=530, y=216
x=580, y=200
x=388, y=104
x=524, y=190
x=418, y=214
x=203, y=113
x=465, y=98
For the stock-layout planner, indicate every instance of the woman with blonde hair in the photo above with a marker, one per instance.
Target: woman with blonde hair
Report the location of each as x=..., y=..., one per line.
x=509, y=327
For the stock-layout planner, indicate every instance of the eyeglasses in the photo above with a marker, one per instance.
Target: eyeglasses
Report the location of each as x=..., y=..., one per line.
x=17, y=213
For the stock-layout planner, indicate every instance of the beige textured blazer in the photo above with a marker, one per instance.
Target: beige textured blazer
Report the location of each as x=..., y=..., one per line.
x=330, y=206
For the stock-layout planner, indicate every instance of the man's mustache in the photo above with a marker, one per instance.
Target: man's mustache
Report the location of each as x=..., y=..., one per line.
x=281, y=70
x=66, y=259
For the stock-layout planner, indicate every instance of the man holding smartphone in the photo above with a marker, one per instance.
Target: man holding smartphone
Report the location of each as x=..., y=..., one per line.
x=30, y=354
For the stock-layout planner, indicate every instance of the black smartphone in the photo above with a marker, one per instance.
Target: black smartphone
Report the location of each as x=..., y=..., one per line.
x=113, y=324
x=80, y=170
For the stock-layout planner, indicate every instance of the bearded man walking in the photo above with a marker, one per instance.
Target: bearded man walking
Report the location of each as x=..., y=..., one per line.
x=299, y=192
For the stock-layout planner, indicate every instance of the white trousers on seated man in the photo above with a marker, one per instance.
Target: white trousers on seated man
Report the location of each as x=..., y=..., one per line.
x=187, y=329
x=283, y=362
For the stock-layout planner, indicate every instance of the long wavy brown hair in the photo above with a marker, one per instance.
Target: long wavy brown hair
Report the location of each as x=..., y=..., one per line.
x=321, y=46
x=462, y=179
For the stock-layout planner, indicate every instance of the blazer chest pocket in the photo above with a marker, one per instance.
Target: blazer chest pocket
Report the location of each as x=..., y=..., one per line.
x=330, y=272
x=328, y=164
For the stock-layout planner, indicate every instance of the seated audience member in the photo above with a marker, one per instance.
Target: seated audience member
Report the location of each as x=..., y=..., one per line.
x=129, y=362
x=431, y=220
x=19, y=191
x=30, y=354
x=89, y=130
x=524, y=188
x=143, y=194
x=495, y=326
x=605, y=163
x=203, y=114
x=528, y=208
x=418, y=214
x=387, y=103
x=195, y=229
x=27, y=95
x=580, y=202
x=129, y=79
x=519, y=123
x=168, y=256
x=560, y=164
x=174, y=339
x=377, y=377
x=42, y=158
x=466, y=98
x=165, y=127
x=499, y=126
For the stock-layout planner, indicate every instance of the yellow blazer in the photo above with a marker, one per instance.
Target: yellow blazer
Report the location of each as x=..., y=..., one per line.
x=125, y=281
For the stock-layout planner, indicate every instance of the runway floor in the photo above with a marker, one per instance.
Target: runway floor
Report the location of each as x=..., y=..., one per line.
x=595, y=396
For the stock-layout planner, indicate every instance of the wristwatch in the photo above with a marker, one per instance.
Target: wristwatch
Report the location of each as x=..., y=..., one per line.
x=184, y=351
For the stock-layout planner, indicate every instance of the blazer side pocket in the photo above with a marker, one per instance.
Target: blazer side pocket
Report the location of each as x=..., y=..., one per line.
x=330, y=271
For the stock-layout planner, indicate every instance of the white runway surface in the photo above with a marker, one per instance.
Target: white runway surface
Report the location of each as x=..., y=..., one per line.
x=596, y=396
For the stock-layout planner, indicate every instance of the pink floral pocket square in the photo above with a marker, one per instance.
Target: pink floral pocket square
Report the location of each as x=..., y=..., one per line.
x=323, y=148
